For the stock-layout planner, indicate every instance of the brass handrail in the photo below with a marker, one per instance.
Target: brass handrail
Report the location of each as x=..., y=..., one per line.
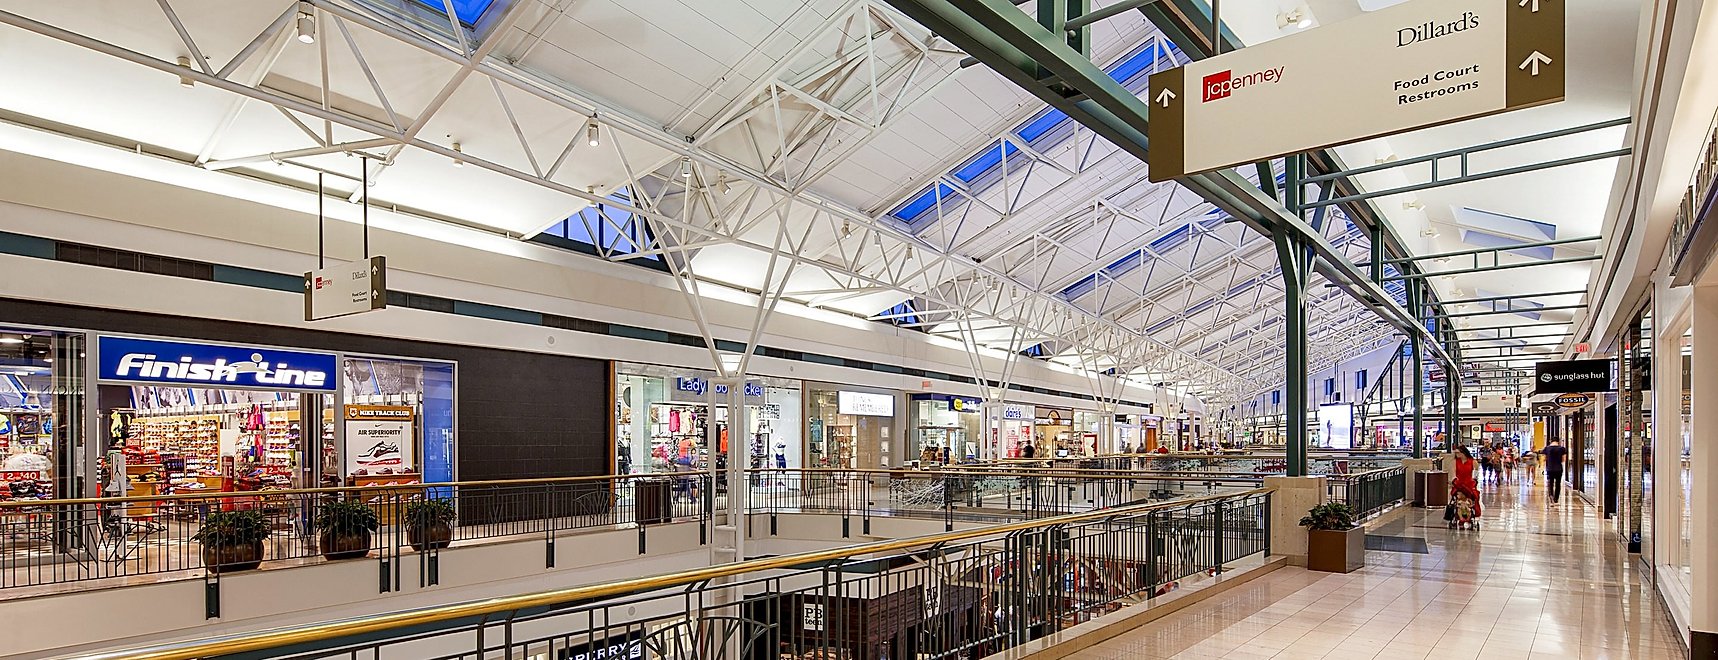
x=292, y=636
x=216, y=494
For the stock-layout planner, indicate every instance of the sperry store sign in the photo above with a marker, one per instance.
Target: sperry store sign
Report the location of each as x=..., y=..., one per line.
x=1417, y=64
x=1574, y=376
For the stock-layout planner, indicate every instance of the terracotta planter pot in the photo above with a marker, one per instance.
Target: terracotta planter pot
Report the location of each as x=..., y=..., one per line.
x=346, y=546
x=1336, y=552
x=231, y=558
x=438, y=536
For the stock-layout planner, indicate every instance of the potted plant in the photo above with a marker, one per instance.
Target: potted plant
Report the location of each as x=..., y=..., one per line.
x=344, y=527
x=1333, y=542
x=232, y=540
x=429, y=523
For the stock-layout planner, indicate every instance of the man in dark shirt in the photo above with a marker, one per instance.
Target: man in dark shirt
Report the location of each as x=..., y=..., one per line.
x=1553, y=456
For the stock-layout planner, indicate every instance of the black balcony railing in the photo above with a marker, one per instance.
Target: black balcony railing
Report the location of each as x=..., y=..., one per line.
x=953, y=595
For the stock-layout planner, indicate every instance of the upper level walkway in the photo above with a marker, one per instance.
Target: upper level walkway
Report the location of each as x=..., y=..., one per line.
x=1536, y=581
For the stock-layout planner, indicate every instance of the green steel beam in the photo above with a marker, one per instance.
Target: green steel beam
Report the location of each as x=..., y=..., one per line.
x=1480, y=251
x=1523, y=310
x=1513, y=297
x=1494, y=267
x=1549, y=336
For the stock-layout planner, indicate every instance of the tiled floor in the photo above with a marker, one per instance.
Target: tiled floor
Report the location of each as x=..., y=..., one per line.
x=1536, y=581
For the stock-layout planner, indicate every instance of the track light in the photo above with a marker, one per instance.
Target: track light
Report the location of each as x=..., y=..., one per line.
x=909, y=253
x=877, y=238
x=457, y=162
x=1297, y=17
x=1388, y=158
x=306, y=24
x=185, y=82
x=591, y=133
x=846, y=229
x=685, y=167
x=1413, y=205
x=722, y=182
x=1428, y=233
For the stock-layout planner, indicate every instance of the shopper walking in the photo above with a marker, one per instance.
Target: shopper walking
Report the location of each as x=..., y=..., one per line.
x=1553, y=456
x=1464, y=486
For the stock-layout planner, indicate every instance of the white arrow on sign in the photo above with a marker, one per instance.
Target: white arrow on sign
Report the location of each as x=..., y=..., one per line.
x=1534, y=60
x=1524, y=3
x=1165, y=96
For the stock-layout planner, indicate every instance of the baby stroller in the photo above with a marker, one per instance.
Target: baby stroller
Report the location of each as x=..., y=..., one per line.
x=1462, y=512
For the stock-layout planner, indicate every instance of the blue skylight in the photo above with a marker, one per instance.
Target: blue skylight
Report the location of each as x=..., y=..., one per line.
x=468, y=11
x=1131, y=72
x=606, y=228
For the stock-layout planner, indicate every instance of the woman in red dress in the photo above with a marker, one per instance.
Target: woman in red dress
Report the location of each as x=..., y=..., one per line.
x=1464, y=483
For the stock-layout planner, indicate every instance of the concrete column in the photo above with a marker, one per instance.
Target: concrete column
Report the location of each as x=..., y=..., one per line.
x=1703, y=460
x=1294, y=496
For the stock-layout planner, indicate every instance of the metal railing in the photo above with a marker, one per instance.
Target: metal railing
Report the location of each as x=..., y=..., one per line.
x=92, y=543
x=952, y=595
x=1369, y=493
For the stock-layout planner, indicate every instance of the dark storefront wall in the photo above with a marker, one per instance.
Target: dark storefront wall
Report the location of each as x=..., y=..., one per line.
x=520, y=415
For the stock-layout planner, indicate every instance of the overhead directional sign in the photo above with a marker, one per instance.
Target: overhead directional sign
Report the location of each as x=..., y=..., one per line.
x=1417, y=64
x=346, y=289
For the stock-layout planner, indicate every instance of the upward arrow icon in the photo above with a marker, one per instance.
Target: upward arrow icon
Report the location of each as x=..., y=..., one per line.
x=1533, y=3
x=1534, y=60
x=1165, y=96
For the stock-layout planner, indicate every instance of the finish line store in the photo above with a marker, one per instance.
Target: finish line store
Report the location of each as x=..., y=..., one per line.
x=193, y=416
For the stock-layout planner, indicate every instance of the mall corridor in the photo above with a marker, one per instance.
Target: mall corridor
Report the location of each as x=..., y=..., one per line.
x=1536, y=581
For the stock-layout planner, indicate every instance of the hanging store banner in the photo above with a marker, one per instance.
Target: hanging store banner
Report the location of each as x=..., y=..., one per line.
x=346, y=289
x=144, y=361
x=1545, y=408
x=1574, y=376
x=1417, y=64
x=379, y=440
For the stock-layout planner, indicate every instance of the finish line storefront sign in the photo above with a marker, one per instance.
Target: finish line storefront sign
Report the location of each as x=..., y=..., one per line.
x=162, y=362
x=1417, y=64
x=1574, y=377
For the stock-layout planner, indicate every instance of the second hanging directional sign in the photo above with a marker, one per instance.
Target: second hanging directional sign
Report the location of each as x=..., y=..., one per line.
x=1417, y=64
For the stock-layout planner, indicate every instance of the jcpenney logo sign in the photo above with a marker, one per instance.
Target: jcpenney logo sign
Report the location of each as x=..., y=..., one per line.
x=185, y=363
x=1222, y=84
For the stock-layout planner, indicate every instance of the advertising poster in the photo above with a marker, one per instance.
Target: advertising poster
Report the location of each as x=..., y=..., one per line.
x=379, y=440
x=1336, y=425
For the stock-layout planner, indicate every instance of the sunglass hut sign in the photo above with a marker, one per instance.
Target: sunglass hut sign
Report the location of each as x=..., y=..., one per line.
x=207, y=365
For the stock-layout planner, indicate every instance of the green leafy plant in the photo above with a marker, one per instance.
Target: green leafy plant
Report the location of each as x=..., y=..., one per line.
x=346, y=517
x=428, y=512
x=1331, y=516
x=233, y=528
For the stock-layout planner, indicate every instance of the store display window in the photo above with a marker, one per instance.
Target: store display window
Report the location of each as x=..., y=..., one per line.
x=849, y=427
x=41, y=386
x=1053, y=433
x=399, y=421
x=946, y=428
x=1088, y=427
x=662, y=419
x=1011, y=431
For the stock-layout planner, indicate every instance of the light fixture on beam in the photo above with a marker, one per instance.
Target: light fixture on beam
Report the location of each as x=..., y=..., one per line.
x=1414, y=205
x=846, y=229
x=722, y=182
x=685, y=167
x=306, y=24
x=592, y=136
x=1298, y=17
x=457, y=162
x=185, y=81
